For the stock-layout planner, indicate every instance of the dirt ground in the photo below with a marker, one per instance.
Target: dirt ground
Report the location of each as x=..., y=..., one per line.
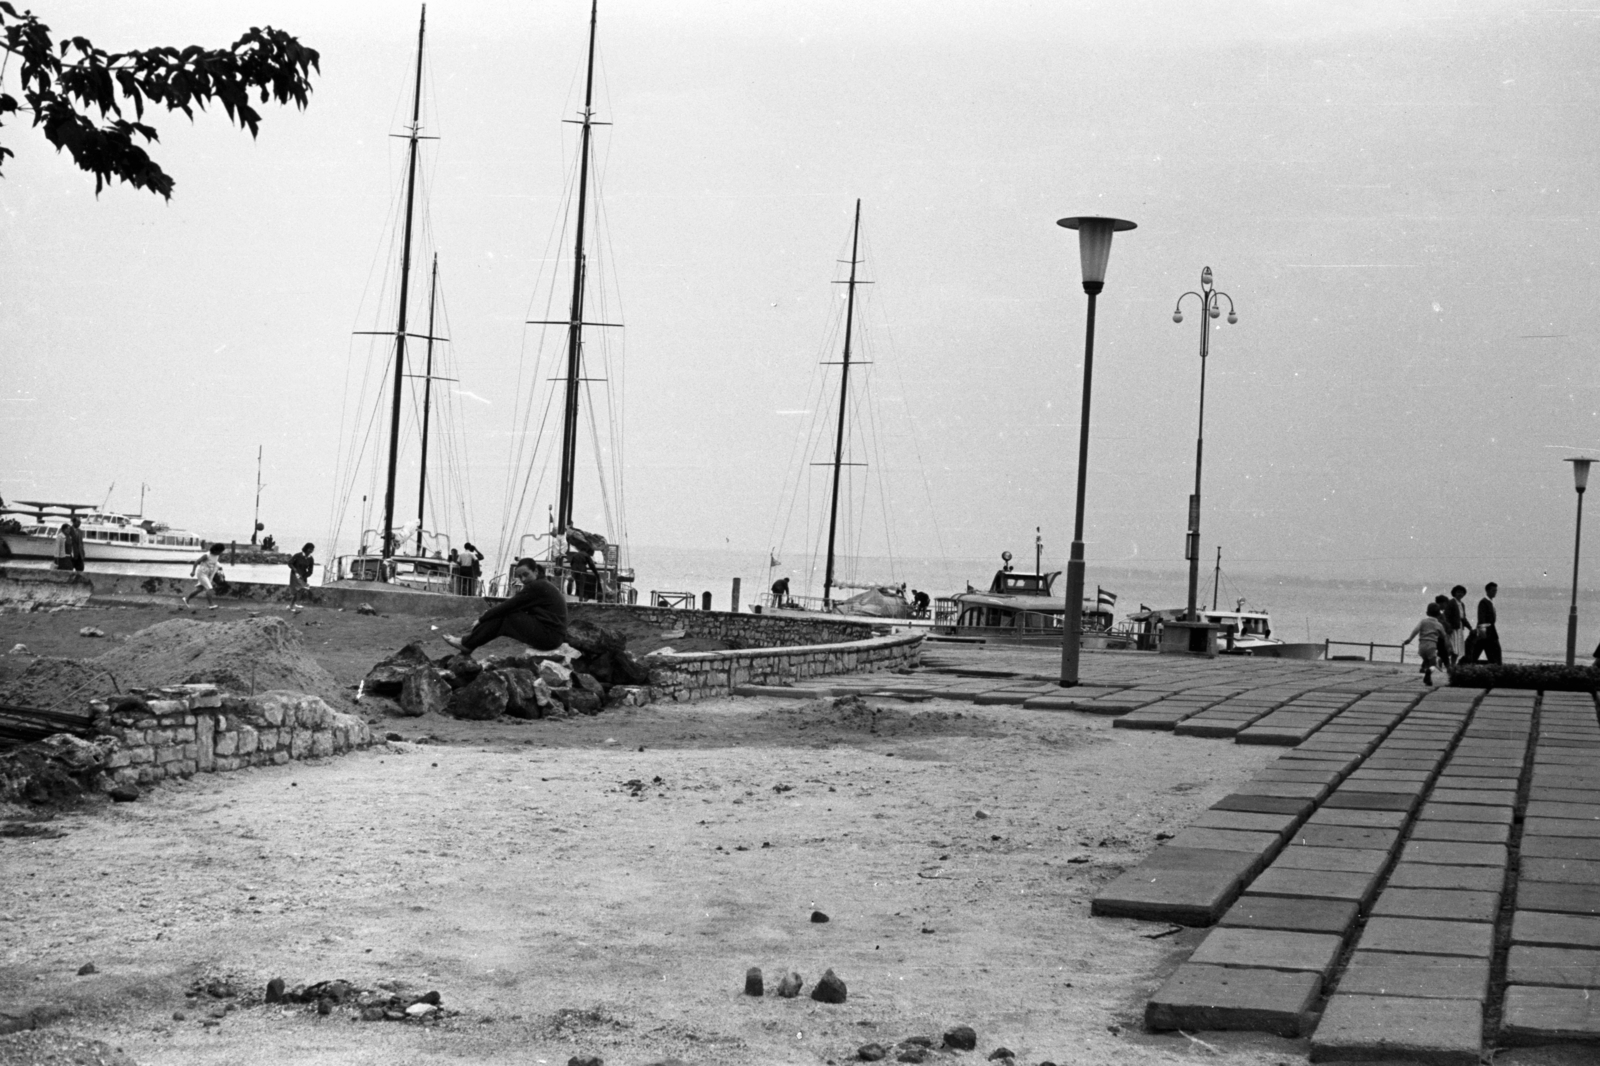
x=599, y=886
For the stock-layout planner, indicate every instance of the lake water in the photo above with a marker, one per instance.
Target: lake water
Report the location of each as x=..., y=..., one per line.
x=1532, y=621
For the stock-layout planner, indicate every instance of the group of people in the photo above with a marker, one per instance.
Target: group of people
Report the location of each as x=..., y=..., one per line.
x=1444, y=636
x=69, y=547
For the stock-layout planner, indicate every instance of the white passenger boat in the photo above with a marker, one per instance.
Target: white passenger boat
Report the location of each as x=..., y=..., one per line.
x=28, y=531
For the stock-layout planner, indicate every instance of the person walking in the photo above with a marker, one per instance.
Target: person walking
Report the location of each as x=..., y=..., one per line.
x=74, y=547
x=64, y=547
x=537, y=616
x=301, y=564
x=1429, y=635
x=1488, y=632
x=1456, y=622
x=206, y=571
x=1447, y=651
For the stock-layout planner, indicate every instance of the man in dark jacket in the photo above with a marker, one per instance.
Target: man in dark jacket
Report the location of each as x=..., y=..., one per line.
x=537, y=615
x=1484, y=641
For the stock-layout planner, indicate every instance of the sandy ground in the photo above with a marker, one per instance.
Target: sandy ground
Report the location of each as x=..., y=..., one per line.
x=599, y=886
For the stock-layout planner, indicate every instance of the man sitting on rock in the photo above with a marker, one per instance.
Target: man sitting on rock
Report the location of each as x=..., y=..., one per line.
x=537, y=615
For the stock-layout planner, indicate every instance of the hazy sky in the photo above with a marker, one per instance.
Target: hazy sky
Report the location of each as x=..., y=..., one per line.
x=1399, y=197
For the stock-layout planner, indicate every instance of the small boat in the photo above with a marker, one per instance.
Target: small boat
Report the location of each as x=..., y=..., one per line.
x=28, y=531
x=1025, y=609
x=1244, y=632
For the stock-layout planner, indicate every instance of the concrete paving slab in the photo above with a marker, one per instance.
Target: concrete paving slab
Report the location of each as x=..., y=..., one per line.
x=1344, y=860
x=1275, y=735
x=1342, y=798
x=1259, y=844
x=1465, y=812
x=1248, y=820
x=1427, y=936
x=1366, y=773
x=1180, y=885
x=1456, y=853
x=1442, y=1032
x=1264, y=804
x=1352, y=816
x=1219, y=997
x=1314, y=776
x=1252, y=911
x=1451, y=779
x=1553, y=930
x=1154, y=720
x=1456, y=768
x=1385, y=973
x=1269, y=949
x=1428, y=875
x=1473, y=832
x=1587, y=812
x=1443, y=904
x=1560, y=827
x=1586, y=849
x=1546, y=1015
x=1562, y=794
x=1530, y=964
x=1566, y=871
x=1315, y=884
x=1475, y=796
x=1558, y=897
x=1346, y=836
x=1309, y=790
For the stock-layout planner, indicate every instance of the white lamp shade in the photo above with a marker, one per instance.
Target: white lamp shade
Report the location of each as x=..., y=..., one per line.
x=1094, y=244
x=1580, y=473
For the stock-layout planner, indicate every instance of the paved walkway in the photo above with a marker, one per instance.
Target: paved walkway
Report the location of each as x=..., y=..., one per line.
x=1417, y=876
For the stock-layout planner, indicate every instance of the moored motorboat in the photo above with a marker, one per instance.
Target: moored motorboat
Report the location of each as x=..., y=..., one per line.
x=1023, y=608
x=28, y=530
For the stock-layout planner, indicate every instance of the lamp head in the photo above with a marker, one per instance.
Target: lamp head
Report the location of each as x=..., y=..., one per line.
x=1177, y=316
x=1094, y=246
x=1205, y=279
x=1232, y=318
x=1580, y=473
x=1215, y=311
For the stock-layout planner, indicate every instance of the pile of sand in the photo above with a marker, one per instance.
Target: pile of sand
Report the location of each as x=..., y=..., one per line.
x=245, y=657
x=64, y=685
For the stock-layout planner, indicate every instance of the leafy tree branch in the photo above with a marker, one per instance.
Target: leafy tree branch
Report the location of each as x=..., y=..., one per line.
x=64, y=82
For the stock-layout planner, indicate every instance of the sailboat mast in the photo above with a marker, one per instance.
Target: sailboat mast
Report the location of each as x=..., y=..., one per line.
x=427, y=395
x=405, y=286
x=1216, y=578
x=844, y=396
x=569, y=424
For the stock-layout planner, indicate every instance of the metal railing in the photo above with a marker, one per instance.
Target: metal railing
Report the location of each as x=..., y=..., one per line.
x=677, y=601
x=1370, y=645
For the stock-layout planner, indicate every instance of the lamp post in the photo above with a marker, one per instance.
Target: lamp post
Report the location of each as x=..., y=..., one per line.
x=1094, y=251
x=1210, y=307
x=1580, y=481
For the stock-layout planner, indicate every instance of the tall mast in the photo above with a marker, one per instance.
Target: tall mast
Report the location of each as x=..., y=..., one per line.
x=844, y=395
x=427, y=394
x=569, y=423
x=405, y=286
x=1216, y=578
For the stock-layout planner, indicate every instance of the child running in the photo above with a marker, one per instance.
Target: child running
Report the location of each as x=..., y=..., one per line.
x=205, y=572
x=300, y=566
x=1430, y=637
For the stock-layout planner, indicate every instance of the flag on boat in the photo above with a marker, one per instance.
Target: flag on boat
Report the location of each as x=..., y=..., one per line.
x=1105, y=598
x=773, y=562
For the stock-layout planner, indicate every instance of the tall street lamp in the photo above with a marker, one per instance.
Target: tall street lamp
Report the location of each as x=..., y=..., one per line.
x=1580, y=481
x=1210, y=307
x=1094, y=251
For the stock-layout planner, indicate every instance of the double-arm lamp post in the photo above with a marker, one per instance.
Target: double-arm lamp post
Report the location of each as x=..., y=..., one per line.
x=1094, y=251
x=1580, y=481
x=1210, y=307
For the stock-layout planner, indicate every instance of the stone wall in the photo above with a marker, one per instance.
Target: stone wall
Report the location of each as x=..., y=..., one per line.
x=684, y=676
x=189, y=729
x=739, y=630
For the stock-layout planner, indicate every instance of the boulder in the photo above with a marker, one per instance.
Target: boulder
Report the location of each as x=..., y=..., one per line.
x=961, y=1038
x=578, y=701
x=829, y=989
x=485, y=698
x=386, y=678
x=524, y=696
x=605, y=654
x=555, y=674
x=423, y=692
x=461, y=669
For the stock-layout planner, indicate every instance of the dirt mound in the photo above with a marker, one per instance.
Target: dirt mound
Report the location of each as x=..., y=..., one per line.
x=849, y=715
x=57, y=685
x=249, y=656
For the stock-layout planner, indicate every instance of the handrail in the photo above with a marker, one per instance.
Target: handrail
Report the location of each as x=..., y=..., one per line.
x=678, y=601
x=1370, y=645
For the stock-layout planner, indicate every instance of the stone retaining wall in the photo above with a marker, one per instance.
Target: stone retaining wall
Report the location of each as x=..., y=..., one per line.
x=684, y=676
x=742, y=631
x=189, y=729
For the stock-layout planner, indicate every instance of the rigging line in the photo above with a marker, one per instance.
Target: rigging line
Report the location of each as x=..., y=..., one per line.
x=599, y=459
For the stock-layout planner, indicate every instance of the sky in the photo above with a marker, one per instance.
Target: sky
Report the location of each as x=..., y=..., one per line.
x=1399, y=198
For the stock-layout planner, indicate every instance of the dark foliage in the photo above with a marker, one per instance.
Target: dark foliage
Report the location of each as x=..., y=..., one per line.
x=61, y=91
x=1549, y=677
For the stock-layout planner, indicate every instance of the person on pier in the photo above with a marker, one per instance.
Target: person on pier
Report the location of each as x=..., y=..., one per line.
x=536, y=616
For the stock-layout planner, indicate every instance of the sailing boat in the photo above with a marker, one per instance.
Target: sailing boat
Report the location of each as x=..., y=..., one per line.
x=409, y=555
x=870, y=600
x=588, y=565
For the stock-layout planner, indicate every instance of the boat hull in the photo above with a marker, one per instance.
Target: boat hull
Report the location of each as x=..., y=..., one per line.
x=23, y=547
x=1281, y=651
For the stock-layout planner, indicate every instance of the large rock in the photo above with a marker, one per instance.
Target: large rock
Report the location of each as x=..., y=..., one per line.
x=387, y=678
x=605, y=654
x=555, y=675
x=423, y=692
x=524, y=689
x=578, y=701
x=485, y=698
